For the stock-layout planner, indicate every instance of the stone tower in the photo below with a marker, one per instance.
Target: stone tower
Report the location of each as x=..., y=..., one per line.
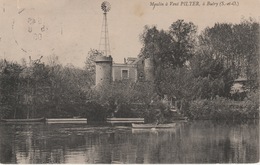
x=103, y=70
x=149, y=69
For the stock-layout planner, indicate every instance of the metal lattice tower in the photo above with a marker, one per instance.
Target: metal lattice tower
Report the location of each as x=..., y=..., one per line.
x=104, y=39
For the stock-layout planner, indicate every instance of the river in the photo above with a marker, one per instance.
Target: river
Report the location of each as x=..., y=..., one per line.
x=189, y=142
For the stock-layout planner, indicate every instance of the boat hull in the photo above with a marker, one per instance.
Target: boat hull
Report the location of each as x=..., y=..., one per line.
x=23, y=120
x=125, y=120
x=67, y=121
x=142, y=126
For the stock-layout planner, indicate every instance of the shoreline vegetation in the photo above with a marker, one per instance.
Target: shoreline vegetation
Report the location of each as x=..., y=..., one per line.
x=196, y=70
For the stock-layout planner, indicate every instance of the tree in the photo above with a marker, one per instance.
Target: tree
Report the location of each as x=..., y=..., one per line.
x=34, y=86
x=247, y=39
x=90, y=64
x=235, y=47
x=168, y=49
x=124, y=98
x=184, y=41
x=9, y=87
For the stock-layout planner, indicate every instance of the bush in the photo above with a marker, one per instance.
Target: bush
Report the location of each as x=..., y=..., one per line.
x=5, y=111
x=252, y=104
x=125, y=111
x=222, y=108
x=95, y=112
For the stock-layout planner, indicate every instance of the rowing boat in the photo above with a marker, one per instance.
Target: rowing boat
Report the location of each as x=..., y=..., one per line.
x=23, y=120
x=125, y=120
x=170, y=125
x=66, y=120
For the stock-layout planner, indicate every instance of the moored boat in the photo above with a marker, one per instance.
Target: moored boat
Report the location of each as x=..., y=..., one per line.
x=67, y=120
x=125, y=120
x=140, y=126
x=24, y=120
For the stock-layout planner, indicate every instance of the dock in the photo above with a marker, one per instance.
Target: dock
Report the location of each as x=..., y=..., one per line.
x=66, y=120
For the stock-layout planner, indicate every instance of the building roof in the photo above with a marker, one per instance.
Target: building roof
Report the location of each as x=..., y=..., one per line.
x=129, y=62
x=138, y=59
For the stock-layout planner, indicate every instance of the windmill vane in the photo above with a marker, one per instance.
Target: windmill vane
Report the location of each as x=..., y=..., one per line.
x=105, y=6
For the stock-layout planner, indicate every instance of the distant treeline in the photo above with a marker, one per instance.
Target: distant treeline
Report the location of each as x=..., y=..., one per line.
x=197, y=70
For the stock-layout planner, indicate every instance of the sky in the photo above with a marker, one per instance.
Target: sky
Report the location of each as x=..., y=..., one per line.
x=70, y=28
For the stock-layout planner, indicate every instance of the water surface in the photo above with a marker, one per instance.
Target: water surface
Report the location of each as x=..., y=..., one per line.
x=190, y=142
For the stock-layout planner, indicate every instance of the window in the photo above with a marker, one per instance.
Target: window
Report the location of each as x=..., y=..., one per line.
x=141, y=75
x=124, y=74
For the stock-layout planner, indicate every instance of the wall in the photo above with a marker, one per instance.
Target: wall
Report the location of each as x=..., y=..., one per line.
x=117, y=71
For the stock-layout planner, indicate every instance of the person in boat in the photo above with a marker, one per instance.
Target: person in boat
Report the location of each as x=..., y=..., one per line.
x=162, y=108
x=158, y=116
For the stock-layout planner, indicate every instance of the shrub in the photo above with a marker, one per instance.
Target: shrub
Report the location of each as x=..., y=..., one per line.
x=125, y=111
x=95, y=112
x=222, y=108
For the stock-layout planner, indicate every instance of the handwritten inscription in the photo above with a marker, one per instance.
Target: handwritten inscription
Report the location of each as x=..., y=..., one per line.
x=194, y=4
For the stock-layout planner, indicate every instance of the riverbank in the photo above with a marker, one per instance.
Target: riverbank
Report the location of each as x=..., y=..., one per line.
x=200, y=109
x=219, y=108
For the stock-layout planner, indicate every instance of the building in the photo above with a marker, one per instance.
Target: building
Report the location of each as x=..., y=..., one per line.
x=131, y=70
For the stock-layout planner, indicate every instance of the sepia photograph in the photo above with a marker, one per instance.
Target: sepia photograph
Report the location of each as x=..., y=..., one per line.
x=129, y=82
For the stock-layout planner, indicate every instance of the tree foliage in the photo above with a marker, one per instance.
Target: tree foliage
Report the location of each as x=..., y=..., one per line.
x=121, y=98
x=90, y=64
x=202, y=66
x=36, y=89
x=236, y=46
x=168, y=49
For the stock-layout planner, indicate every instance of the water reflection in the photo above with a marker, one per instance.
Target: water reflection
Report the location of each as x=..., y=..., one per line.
x=191, y=142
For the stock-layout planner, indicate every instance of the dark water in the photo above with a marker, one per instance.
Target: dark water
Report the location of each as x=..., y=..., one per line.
x=191, y=142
